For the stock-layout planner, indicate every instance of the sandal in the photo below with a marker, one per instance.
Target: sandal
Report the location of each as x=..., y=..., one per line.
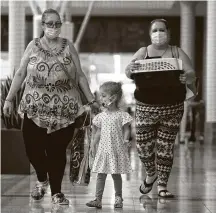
x=167, y=194
x=118, y=202
x=147, y=185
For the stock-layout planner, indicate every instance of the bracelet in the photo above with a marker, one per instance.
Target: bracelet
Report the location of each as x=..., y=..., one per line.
x=126, y=141
x=90, y=103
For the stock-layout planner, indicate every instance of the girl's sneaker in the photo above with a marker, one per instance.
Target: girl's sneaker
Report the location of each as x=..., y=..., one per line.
x=118, y=202
x=95, y=203
x=59, y=199
x=39, y=190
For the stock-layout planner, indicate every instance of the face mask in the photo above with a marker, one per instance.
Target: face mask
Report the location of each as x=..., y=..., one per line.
x=52, y=33
x=159, y=38
x=109, y=103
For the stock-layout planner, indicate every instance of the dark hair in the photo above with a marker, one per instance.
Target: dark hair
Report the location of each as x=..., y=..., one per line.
x=113, y=88
x=45, y=13
x=159, y=20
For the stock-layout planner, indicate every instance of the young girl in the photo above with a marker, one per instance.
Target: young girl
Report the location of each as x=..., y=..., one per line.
x=111, y=131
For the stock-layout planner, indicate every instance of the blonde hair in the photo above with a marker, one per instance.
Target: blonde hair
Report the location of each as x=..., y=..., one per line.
x=113, y=88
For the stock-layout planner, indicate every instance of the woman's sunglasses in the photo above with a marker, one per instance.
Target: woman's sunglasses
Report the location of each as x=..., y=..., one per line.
x=52, y=24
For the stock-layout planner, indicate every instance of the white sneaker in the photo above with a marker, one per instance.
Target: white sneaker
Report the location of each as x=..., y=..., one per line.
x=59, y=199
x=39, y=190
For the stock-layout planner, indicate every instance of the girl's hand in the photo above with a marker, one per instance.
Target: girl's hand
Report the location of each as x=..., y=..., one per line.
x=128, y=143
x=8, y=108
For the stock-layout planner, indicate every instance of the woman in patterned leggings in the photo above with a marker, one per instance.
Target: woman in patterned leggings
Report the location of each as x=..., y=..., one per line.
x=159, y=107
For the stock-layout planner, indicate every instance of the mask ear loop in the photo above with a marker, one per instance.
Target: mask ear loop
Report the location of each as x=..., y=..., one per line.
x=112, y=96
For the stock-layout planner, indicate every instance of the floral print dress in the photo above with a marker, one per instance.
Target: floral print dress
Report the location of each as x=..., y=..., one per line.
x=50, y=99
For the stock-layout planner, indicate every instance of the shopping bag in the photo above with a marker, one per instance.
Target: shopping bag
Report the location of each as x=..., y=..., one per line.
x=84, y=171
x=79, y=167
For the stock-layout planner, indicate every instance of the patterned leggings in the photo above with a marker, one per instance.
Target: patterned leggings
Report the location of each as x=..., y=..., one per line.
x=157, y=127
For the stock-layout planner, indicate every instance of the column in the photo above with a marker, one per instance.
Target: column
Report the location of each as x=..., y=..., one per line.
x=210, y=73
x=188, y=28
x=16, y=34
x=37, y=26
x=67, y=30
x=187, y=40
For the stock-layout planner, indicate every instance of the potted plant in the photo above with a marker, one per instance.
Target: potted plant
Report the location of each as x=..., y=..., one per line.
x=13, y=155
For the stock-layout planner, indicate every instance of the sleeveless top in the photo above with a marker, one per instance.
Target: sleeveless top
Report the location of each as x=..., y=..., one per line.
x=49, y=98
x=159, y=87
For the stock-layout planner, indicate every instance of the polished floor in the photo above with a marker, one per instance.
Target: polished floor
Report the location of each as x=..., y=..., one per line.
x=193, y=181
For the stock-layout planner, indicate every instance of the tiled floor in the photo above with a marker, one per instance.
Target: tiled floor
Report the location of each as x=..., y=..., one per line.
x=193, y=181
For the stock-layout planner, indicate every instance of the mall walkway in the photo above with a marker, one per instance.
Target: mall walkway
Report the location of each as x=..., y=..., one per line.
x=193, y=180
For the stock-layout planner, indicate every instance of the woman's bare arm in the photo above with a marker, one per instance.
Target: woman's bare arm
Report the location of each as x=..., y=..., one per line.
x=187, y=66
x=132, y=65
x=20, y=74
x=82, y=78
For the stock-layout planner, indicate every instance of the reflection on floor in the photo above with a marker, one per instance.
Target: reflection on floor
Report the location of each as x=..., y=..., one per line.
x=193, y=181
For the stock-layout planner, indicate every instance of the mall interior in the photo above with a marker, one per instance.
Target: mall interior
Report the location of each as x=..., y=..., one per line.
x=106, y=34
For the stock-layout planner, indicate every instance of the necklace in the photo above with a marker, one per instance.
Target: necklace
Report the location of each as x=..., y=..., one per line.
x=53, y=46
x=163, y=52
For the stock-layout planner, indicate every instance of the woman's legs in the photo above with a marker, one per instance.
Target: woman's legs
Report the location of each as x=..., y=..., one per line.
x=34, y=139
x=56, y=146
x=146, y=137
x=166, y=134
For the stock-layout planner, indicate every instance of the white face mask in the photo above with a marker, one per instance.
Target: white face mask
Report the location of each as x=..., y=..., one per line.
x=52, y=33
x=159, y=38
x=109, y=102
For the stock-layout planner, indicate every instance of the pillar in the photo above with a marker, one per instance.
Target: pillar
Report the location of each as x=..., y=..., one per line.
x=210, y=72
x=16, y=34
x=67, y=29
x=37, y=26
x=187, y=43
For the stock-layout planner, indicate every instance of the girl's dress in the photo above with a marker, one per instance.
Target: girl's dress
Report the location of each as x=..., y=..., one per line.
x=112, y=154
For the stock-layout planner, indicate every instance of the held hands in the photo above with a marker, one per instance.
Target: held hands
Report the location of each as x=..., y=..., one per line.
x=8, y=108
x=95, y=108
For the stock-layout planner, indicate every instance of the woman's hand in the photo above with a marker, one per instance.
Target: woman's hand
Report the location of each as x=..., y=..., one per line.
x=182, y=78
x=187, y=77
x=8, y=108
x=133, y=66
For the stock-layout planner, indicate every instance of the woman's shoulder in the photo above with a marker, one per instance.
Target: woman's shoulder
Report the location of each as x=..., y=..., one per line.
x=141, y=52
x=29, y=47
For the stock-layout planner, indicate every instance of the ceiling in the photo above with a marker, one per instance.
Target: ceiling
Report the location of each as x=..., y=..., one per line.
x=113, y=7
